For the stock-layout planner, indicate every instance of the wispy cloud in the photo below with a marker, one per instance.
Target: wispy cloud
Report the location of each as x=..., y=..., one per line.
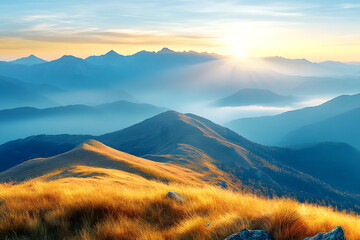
x=51, y=33
x=350, y=5
x=262, y=27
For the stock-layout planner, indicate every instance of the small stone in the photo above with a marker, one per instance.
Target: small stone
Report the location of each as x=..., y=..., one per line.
x=248, y=234
x=335, y=234
x=175, y=196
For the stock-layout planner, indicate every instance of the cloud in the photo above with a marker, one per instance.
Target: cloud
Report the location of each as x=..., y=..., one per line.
x=350, y=5
x=54, y=33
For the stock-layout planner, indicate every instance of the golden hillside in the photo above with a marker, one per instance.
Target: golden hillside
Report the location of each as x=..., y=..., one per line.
x=96, y=192
x=134, y=208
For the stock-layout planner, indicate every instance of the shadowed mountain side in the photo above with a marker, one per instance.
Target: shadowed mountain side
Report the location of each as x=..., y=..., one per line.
x=18, y=151
x=270, y=130
x=341, y=128
x=334, y=163
x=260, y=97
x=198, y=144
x=94, y=156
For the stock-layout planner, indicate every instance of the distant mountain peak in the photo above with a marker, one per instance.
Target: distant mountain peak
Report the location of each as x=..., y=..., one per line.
x=253, y=96
x=166, y=50
x=29, y=60
x=171, y=114
x=68, y=59
x=142, y=52
x=112, y=53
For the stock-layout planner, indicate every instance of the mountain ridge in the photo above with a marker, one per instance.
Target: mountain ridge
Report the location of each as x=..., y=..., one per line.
x=28, y=61
x=271, y=130
x=203, y=147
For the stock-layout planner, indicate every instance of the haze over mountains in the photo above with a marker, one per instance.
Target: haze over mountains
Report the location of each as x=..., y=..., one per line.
x=15, y=93
x=341, y=128
x=334, y=120
x=204, y=147
x=261, y=97
x=50, y=110
x=186, y=73
x=303, y=67
x=79, y=119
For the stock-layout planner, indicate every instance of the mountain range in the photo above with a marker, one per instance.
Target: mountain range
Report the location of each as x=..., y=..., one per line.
x=334, y=120
x=28, y=61
x=176, y=71
x=341, y=128
x=15, y=93
x=217, y=153
x=303, y=67
x=78, y=119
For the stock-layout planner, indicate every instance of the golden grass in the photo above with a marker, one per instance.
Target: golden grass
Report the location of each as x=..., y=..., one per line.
x=85, y=208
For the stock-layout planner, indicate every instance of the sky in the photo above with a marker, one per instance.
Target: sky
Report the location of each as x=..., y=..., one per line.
x=317, y=30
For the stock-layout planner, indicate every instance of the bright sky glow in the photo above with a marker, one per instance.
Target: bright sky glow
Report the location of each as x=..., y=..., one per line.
x=317, y=30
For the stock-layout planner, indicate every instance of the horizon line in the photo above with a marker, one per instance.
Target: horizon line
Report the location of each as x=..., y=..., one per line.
x=170, y=50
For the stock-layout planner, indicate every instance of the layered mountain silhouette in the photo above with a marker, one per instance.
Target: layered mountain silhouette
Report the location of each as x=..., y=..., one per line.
x=271, y=130
x=334, y=163
x=25, y=121
x=110, y=58
x=170, y=69
x=202, y=146
x=162, y=59
x=259, y=97
x=303, y=67
x=67, y=72
x=106, y=71
x=341, y=128
x=15, y=93
x=28, y=61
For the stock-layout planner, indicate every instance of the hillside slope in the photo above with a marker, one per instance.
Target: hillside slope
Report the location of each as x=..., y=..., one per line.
x=202, y=146
x=126, y=206
x=94, y=159
x=321, y=161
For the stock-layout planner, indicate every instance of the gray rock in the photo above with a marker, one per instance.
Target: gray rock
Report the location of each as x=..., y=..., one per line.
x=248, y=234
x=175, y=196
x=335, y=234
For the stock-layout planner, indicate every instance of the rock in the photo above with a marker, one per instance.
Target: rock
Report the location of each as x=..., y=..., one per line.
x=335, y=234
x=248, y=234
x=175, y=196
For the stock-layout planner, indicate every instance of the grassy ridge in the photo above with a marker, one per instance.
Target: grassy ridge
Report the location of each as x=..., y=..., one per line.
x=73, y=208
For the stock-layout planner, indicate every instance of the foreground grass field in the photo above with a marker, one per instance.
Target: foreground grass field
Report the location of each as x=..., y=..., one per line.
x=81, y=208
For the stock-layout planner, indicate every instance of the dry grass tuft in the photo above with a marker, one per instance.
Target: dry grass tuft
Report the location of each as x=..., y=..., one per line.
x=92, y=209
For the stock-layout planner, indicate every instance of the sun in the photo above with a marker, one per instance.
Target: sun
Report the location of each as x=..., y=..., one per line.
x=239, y=52
x=235, y=45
